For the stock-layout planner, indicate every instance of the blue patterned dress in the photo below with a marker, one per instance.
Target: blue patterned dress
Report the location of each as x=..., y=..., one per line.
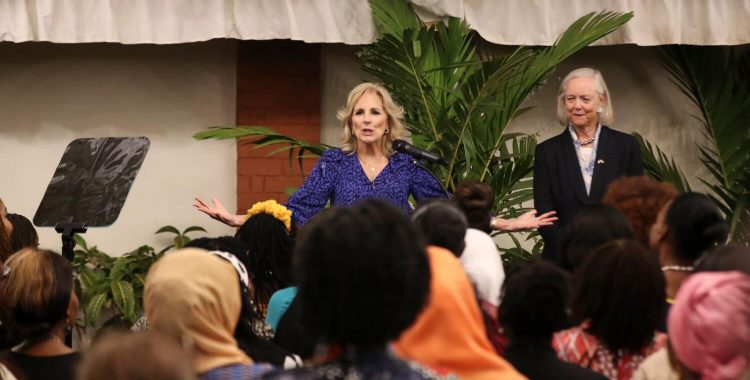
x=339, y=177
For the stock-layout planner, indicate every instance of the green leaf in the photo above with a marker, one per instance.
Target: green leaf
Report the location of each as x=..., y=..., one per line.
x=660, y=167
x=193, y=228
x=94, y=307
x=171, y=229
x=124, y=297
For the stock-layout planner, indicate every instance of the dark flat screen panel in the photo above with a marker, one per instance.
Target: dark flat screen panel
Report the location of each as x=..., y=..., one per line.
x=92, y=181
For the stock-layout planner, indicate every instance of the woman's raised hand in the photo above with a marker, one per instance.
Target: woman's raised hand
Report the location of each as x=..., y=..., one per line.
x=218, y=212
x=526, y=221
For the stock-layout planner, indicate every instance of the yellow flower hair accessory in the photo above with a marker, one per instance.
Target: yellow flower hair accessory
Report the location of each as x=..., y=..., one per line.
x=273, y=208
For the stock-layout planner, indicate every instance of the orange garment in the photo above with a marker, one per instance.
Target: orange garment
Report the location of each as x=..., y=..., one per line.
x=449, y=333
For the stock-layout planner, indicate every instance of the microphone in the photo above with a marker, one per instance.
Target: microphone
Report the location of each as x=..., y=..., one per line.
x=404, y=147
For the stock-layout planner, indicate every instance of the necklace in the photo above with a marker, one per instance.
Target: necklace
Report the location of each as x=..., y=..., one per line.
x=587, y=142
x=676, y=268
x=371, y=166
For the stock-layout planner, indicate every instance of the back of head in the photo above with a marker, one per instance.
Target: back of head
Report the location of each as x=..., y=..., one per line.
x=269, y=254
x=534, y=303
x=475, y=199
x=592, y=226
x=639, y=198
x=709, y=324
x=620, y=290
x=695, y=224
x=442, y=224
x=24, y=234
x=363, y=274
x=194, y=296
x=36, y=292
x=140, y=356
x=732, y=257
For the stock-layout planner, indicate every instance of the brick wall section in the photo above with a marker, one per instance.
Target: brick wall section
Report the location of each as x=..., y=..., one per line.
x=278, y=86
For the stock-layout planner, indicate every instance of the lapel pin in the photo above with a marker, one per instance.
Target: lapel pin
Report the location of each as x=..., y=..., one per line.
x=600, y=162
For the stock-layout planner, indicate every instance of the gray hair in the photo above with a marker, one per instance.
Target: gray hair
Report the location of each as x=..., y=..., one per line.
x=607, y=114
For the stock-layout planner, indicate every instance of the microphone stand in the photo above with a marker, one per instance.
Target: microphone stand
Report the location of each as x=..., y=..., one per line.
x=420, y=164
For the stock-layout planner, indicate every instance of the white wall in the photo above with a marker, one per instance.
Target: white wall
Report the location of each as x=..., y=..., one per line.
x=52, y=94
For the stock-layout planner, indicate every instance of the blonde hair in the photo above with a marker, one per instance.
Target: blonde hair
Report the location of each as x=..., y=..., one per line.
x=607, y=115
x=36, y=292
x=394, y=112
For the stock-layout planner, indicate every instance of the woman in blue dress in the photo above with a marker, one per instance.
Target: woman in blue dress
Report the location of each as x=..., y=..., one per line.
x=367, y=167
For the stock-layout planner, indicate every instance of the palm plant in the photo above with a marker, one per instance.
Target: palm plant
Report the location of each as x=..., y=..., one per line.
x=717, y=81
x=458, y=101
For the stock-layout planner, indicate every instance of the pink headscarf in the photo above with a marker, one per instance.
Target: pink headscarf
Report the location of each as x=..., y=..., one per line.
x=709, y=324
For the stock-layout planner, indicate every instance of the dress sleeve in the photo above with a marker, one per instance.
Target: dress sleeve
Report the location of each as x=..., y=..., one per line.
x=424, y=186
x=314, y=194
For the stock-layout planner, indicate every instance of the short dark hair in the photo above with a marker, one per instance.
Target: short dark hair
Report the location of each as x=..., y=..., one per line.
x=475, y=199
x=695, y=224
x=363, y=274
x=442, y=224
x=24, y=234
x=534, y=302
x=594, y=225
x=36, y=293
x=732, y=257
x=621, y=291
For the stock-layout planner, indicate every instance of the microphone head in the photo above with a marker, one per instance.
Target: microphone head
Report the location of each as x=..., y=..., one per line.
x=399, y=144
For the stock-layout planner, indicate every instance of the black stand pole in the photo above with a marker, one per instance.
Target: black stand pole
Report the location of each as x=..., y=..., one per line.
x=421, y=165
x=66, y=231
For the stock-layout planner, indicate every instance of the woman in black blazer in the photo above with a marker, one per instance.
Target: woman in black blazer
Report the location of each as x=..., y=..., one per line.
x=574, y=168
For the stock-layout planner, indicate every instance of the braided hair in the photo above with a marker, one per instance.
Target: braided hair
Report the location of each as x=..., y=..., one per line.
x=270, y=255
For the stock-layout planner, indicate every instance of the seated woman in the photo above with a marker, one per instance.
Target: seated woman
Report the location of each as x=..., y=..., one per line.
x=39, y=305
x=685, y=229
x=535, y=298
x=24, y=234
x=267, y=234
x=618, y=301
x=196, y=297
x=709, y=326
x=357, y=294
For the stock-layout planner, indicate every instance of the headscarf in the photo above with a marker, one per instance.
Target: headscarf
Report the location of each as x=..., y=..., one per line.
x=449, y=333
x=709, y=324
x=195, y=297
x=482, y=264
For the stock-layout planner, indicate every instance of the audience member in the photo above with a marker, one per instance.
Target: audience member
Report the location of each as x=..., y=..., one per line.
x=38, y=306
x=24, y=234
x=481, y=259
x=709, y=326
x=639, y=198
x=594, y=225
x=139, y=356
x=619, y=300
x=534, y=306
x=450, y=332
x=356, y=295
x=5, y=232
x=266, y=234
x=252, y=333
x=659, y=366
x=442, y=224
x=196, y=298
x=684, y=230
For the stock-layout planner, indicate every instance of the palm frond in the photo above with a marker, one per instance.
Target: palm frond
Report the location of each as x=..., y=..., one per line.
x=262, y=136
x=717, y=81
x=661, y=167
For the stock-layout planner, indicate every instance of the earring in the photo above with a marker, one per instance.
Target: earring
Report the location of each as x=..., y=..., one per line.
x=387, y=131
x=600, y=110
